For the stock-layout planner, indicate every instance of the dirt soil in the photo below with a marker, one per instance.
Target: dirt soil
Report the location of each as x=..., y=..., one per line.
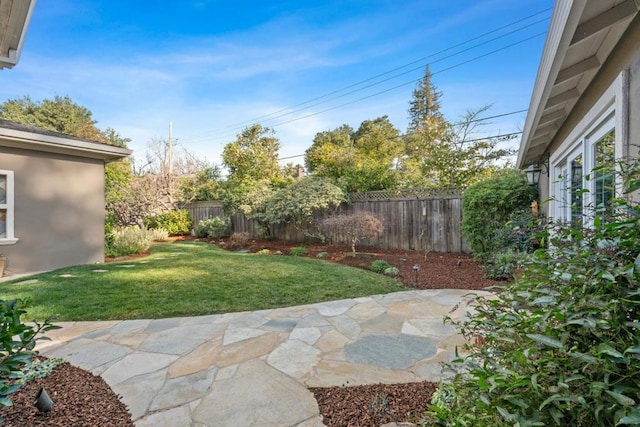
x=83, y=399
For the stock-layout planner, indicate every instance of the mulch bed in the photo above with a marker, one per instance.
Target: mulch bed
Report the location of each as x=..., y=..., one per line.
x=79, y=399
x=83, y=399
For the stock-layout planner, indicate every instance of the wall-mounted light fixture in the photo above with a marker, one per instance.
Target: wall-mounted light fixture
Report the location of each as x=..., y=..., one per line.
x=533, y=172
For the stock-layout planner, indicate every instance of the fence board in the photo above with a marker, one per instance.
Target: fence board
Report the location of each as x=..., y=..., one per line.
x=422, y=223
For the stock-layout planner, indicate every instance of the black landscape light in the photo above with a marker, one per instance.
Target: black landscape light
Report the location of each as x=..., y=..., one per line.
x=416, y=268
x=43, y=402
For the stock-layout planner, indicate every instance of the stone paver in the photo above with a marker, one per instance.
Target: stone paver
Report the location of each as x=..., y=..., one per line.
x=254, y=368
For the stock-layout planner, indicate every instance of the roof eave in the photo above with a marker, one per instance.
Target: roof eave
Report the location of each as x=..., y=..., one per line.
x=58, y=145
x=13, y=54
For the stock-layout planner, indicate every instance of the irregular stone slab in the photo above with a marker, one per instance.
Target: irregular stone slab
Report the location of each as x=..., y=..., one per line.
x=136, y=364
x=366, y=310
x=126, y=326
x=280, y=324
x=258, y=395
x=306, y=335
x=240, y=334
x=27, y=282
x=198, y=360
x=294, y=358
x=131, y=340
x=390, y=351
x=383, y=324
x=180, y=416
x=137, y=393
x=126, y=266
x=334, y=308
x=332, y=340
x=312, y=320
x=181, y=340
x=182, y=390
x=66, y=276
x=160, y=325
x=89, y=354
x=100, y=271
x=433, y=369
x=329, y=373
x=313, y=422
x=249, y=320
x=247, y=349
x=226, y=372
x=346, y=325
x=432, y=328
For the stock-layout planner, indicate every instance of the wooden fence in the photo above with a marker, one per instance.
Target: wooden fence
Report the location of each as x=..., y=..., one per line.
x=203, y=210
x=422, y=221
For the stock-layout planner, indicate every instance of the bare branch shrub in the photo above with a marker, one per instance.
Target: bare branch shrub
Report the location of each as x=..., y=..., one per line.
x=355, y=226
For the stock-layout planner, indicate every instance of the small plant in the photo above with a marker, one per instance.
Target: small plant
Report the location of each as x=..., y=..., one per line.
x=129, y=241
x=379, y=266
x=355, y=226
x=299, y=251
x=159, y=234
x=391, y=271
x=38, y=369
x=503, y=265
x=264, y=252
x=322, y=255
x=17, y=341
x=175, y=222
x=214, y=228
x=239, y=240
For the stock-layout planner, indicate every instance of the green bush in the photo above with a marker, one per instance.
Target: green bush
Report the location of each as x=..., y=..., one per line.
x=17, y=341
x=159, y=234
x=264, y=251
x=175, y=222
x=503, y=265
x=379, y=266
x=322, y=255
x=488, y=205
x=392, y=271
x=299, y=251
x=561, y=345
x=129, y=241
x=214, y=228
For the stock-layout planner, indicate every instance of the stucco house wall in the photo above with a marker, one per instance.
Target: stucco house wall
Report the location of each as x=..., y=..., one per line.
x=58, y=198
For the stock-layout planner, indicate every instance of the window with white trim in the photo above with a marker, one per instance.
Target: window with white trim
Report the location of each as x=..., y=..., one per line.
x=6, y=208
x=584, y=177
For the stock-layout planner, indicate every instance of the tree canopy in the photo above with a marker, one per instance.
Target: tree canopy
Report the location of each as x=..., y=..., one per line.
x=253, y=156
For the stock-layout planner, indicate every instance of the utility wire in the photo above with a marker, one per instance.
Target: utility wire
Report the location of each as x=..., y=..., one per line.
x=288, y=111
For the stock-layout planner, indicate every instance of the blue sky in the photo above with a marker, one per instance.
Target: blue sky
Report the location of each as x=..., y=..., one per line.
x=212, y=67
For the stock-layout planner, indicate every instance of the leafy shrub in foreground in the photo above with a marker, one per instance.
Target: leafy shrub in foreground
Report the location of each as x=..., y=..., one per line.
x=17, y=341
x=560, y=346
x=379, y=266
x=175, y=222
x=214, y=228
x=392, y=271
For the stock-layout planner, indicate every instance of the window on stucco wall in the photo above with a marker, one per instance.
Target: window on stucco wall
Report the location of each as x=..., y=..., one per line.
x=6, y=207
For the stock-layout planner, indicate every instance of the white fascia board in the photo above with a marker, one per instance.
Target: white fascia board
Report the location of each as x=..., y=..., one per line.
x=564, y=21
x=14, y=54
x=54, y=144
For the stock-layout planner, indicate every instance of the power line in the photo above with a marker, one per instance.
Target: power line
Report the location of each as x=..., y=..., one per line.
x=287, y=111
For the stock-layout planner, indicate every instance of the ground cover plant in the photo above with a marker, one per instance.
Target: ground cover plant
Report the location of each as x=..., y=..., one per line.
x=190, y=279
x=561, y=346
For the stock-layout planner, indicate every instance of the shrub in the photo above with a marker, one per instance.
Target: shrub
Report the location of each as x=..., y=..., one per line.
x=175, y=222
x=264, y=252
x=355, y=226
x=17, y=341
x=299, y=251
x=560, y=345
x=379, y=266
x=488, y=205
x=391, y=271
x=503, y=265
x=321, y=255
x=214, y=228
x=129, y=241
x=159, y=234
x=239, y=239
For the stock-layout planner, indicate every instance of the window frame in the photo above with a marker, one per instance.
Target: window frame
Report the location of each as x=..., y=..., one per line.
x=8, y=206
x=610, y=112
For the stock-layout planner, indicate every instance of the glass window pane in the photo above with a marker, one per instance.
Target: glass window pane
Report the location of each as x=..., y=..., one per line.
x=3, y=189
x=576, y=189
x=3, y=223
x=604, y=170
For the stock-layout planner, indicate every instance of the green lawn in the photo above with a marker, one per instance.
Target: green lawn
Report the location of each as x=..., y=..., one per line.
x=190, y=279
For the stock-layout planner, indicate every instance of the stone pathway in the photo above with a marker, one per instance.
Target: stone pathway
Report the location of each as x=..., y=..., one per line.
x=253, y=368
